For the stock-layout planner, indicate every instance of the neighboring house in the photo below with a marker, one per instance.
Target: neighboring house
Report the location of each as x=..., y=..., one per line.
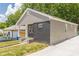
x=1, y=32
x=14, y=33
x=46, y=28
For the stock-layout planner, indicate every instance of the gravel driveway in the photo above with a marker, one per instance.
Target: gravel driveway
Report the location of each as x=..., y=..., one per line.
x=67, y=48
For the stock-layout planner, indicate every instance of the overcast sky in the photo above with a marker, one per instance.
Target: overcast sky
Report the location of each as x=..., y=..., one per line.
x=7, y=9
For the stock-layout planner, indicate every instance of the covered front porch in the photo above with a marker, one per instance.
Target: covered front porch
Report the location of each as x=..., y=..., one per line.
x=37, y=32
x=14, y=32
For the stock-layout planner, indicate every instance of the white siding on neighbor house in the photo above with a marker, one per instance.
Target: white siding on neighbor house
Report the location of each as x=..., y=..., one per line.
x=10, y=33
x=15, y=34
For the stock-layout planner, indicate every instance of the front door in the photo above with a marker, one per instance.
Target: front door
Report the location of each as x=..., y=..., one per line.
x=30, y=30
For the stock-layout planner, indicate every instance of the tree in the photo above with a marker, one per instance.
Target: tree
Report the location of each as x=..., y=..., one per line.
x=13, y=18
x=69, y=12
x=2, y=25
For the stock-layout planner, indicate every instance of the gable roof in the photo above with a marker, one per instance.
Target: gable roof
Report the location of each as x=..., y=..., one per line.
x=43, y=14
x=1, y=31
x=14, y=27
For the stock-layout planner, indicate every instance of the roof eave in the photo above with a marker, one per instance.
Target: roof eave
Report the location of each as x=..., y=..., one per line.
x=51, y=17
x=22, y=16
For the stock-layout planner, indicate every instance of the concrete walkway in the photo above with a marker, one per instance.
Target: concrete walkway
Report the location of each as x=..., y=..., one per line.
x=67, y=48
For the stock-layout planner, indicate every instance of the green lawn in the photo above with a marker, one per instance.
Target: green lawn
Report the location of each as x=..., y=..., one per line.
x=9, y=43
x=22, y=49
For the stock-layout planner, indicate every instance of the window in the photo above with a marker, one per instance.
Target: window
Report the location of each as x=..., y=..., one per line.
x=40, y=25
x=65, y=27
x=72, y=26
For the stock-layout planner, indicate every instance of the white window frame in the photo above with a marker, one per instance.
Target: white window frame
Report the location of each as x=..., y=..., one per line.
x=40, y=25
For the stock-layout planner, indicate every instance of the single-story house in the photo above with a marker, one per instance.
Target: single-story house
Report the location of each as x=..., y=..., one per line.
x=1, y=32
x=13, y=32
x=46, y=28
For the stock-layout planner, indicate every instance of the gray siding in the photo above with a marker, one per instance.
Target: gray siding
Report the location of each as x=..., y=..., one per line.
x=60, y=31
x=57, y=32
x=41, y=31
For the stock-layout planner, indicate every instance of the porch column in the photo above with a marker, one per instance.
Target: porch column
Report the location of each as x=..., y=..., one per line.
x=12, y=34
x=3, y=33
x=18, y=31
x=26, y=33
